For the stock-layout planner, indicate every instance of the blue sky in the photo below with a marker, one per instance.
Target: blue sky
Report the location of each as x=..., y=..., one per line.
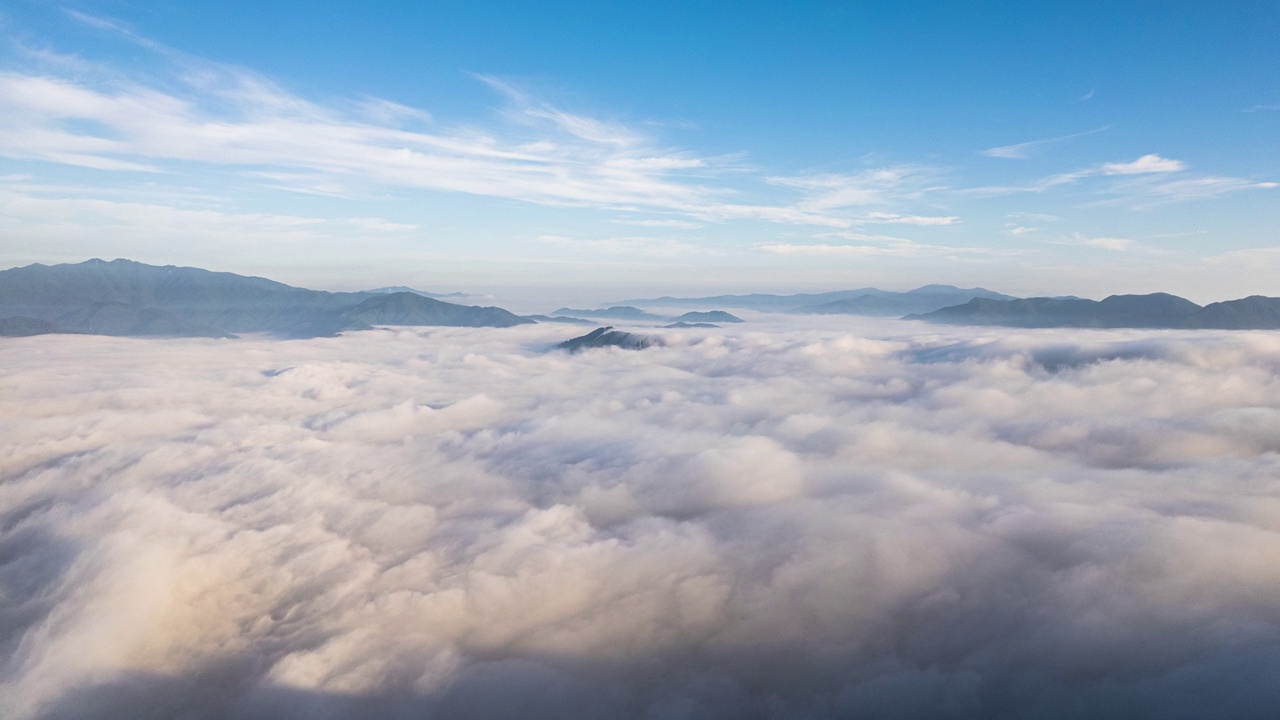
x=662, y=147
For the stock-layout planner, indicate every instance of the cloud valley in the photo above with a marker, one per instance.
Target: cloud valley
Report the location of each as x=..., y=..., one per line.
x=823, y=518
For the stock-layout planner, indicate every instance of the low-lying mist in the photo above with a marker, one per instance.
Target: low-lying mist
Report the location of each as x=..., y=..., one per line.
x=893, y=521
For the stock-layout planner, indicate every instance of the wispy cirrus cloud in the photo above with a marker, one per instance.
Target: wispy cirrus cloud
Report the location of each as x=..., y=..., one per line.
x=881, y=186
x=924, y=220
x=658, y=223
x=1024, y=150
x=1144, y=181
x=258, y=127
x=1147, y=192
x=188, y=112
x=874, y=247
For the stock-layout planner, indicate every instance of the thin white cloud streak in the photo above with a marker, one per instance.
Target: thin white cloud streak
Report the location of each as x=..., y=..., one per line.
x=881, y=186
x=1038, y=217
x=788, y=524
x=1024, y=150
x=923, y=220
x=1141, y=181
x=660, y=223
x=900, y=248
x=1148, y=193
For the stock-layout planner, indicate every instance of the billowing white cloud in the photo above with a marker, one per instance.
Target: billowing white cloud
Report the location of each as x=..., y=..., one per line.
x=856, y=519
x=1118, y=244
x=1146, y=164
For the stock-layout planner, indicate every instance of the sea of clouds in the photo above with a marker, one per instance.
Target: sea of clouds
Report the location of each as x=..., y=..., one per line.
x=849, y=519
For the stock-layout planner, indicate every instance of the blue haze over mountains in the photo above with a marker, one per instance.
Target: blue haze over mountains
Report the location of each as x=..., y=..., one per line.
x=863, y=301
x=127, y=298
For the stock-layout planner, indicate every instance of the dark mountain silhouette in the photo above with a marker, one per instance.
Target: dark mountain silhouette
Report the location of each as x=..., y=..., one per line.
x=123, y=297
x=1027, y=312
x=1157, y=310
x=713, y=316
x=608, y=337
x=407, y=308
x=1252, y=313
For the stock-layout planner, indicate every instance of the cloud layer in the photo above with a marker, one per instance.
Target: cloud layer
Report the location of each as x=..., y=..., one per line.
x=891, y=521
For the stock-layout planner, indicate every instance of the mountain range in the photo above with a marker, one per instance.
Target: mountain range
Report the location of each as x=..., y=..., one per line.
x=863, y=301
x=127, y=298
x=1156, y=310
x=635, y=314
x=122, y=297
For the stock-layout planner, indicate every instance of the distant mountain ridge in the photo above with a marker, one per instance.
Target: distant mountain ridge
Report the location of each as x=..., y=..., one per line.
x=128, y=298
x=1155, y=310
x=635, y=314
x=711, y=316
x=862, y=301
x=406, y=289
x=614, y=312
